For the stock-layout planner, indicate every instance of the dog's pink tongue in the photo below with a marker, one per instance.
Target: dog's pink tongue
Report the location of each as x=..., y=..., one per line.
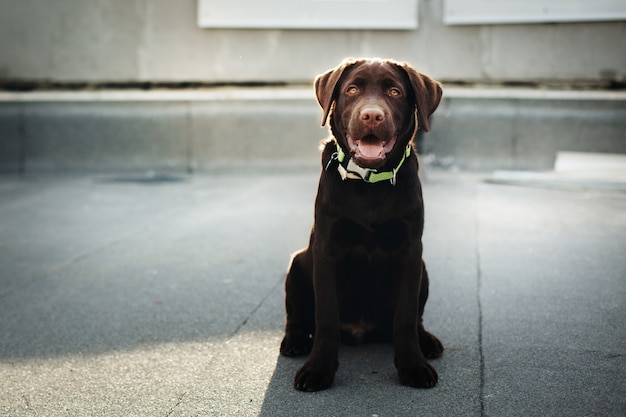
x=370, y=150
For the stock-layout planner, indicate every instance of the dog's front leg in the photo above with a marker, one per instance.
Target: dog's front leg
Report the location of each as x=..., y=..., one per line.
x=413, y=368
x=318, y=371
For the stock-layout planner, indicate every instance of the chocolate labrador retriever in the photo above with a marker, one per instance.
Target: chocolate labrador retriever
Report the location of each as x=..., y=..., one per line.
x=362, y=277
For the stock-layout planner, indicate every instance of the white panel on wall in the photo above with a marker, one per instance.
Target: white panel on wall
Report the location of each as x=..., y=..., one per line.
x=476, y=12
x=308, y=14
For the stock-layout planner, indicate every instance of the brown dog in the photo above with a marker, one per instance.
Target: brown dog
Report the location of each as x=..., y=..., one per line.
x=362, y=277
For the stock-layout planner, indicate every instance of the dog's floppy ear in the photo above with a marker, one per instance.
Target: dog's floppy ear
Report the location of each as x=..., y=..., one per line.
x=325, y=86
x=428, y=94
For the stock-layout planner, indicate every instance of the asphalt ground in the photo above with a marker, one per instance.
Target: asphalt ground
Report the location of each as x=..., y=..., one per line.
x=156, y=295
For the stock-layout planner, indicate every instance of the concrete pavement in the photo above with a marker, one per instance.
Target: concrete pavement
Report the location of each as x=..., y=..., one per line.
x=161, y=295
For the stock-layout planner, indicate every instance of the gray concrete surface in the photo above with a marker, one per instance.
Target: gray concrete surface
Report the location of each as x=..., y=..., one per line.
x=183, y=131
x=161, y=295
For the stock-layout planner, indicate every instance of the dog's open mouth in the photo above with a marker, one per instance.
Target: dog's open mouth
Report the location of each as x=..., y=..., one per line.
x=370, y=150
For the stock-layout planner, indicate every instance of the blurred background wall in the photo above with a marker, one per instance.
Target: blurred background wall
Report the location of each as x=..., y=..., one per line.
x=523, y=79
x=160, y=40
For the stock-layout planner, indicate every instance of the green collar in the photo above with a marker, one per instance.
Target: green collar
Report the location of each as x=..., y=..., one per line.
x=348, y=169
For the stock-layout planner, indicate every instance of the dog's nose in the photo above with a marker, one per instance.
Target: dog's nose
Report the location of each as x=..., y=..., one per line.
x=372, y=115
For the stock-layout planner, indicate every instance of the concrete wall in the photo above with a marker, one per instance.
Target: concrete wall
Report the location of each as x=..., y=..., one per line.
x=170, y=131
x=103, y=41
x=159, y=40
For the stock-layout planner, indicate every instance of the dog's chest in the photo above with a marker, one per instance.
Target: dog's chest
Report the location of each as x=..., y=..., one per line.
x=368, y=264
x=365, y=291
x=371, y=239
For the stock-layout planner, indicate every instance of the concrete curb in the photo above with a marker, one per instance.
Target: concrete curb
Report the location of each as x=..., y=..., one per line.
x=189, y=130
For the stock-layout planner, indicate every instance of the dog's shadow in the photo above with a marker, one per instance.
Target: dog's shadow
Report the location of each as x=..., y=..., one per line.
x=366, y=382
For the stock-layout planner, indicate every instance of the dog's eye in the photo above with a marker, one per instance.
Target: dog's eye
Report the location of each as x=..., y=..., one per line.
x=394, y=92
x=352, y=90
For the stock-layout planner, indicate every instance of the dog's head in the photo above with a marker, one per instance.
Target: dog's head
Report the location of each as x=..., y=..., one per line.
x=374, y=107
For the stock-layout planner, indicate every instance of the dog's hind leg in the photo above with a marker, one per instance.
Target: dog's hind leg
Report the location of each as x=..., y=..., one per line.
x=300, y=306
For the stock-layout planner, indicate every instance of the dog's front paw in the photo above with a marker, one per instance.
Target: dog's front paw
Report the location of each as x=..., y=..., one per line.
x=296, y=343
x=314, y=378
x=419, y=375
